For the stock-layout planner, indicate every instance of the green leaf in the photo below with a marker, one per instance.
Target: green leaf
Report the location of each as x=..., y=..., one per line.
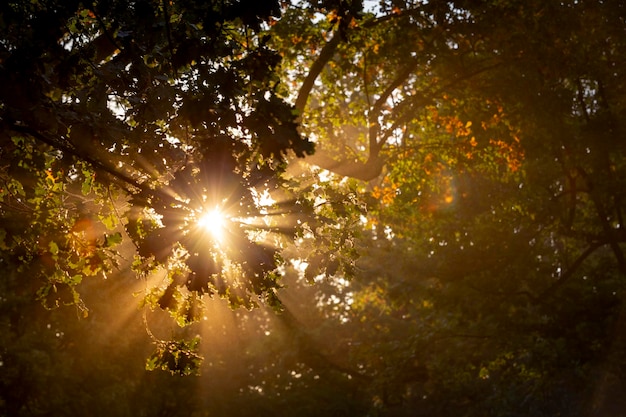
x=110, y=221
x=76, y=279
x=87, y=184
x=179, y=357
x=54, y=248
x=112, y=240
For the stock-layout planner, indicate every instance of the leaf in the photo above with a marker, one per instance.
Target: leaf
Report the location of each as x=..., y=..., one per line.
x=179, y=357
x=86, y=186
x=54, y=248
x=76, y=279
x=112, y=240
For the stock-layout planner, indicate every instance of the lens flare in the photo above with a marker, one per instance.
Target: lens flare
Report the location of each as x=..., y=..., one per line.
x=213, y=222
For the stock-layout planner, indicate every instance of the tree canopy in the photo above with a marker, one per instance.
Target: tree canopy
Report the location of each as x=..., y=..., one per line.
x=422, y=206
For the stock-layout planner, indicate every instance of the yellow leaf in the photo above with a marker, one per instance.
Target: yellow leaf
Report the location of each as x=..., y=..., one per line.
x=49, y=175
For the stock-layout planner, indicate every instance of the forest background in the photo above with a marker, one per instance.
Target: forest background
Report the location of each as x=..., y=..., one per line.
x=421, y=208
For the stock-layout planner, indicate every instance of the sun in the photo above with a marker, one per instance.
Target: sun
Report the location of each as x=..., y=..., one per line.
x=213, y=222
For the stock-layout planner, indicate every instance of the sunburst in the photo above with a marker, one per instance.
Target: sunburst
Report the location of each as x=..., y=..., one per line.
x=214, y=222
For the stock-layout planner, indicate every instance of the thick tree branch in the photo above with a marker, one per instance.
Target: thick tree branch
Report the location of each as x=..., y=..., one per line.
x=324, y=57
x=374, y=113
x=364, y=171
x=316, y=69
x=372, y=167
x=327, y=52
x=603, y=217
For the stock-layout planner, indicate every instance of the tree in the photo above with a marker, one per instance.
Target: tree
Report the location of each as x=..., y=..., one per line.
x=134, y=120
x=499, y=201
x=465, y=245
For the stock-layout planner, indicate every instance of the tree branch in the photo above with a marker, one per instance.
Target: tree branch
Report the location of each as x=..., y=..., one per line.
x=426, y=98
x=603, y=217
x=316, y=69
x=364, y=171
x=374, y=126
x=94, y=163
x=327, y=53
x=371, y=168
x=570, y=271
x=310, y=349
